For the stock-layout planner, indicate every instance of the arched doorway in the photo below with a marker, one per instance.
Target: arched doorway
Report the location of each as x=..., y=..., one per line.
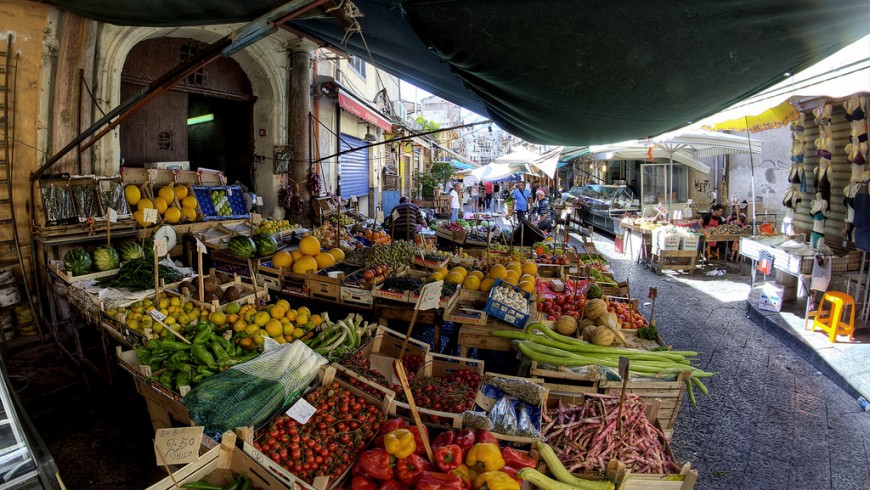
x=206, y=119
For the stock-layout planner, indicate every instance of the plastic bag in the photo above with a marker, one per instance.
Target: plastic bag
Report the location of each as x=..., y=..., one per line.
x=476, y=420
x=531, y=393
x=85, y=200
x=112, y=196
x=57, y=205
x=504, y=418
x=525, y=427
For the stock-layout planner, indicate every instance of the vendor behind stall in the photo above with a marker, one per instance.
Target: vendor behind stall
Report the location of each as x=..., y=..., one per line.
x=712, y=220
x=738, y=216
x=408, y=220
x=543, y=211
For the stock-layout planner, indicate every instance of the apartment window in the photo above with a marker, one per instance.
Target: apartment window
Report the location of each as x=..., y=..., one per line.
x=358, y=65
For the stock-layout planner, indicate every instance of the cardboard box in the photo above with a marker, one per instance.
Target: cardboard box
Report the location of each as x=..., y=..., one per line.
x=771, y=297
x=168, y=165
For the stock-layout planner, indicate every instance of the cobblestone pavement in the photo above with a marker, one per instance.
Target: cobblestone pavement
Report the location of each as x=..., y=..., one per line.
x=774, y=421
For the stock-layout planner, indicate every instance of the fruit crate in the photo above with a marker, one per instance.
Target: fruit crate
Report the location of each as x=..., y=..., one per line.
x=322, y=286
x=451, y=235
x=129, y=361
x=440, y=365
x=282, y=281
x=218, y=465
x=430, y=264
x=453, y=313
x=489, y=394
x=58, y=269
x=379, y=352
x=669, y=393
x=326, y=376
x=234, y=197
x=211, y=177
x=248, y=294
x=507, y=313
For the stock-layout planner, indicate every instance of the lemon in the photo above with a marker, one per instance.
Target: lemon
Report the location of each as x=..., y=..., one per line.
x=288, y=329
x=174, y=301
x=471, y=283
x=283, y=303
x=274, y=328
x=181, y=192
x=133, y=325
x=218, y=318
x=280, y=339
x=240, y=326
x=252, y=329
x=302, y=319
x=316, y=319
x=303, y=311
x=262, y=318
x=277, y=312
x=172, y=215
x=298, y=332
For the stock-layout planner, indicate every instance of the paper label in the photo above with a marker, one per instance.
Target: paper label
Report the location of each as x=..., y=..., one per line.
x=301, y=411
x=229, y=192
x=379, y=217
x=157, y=315
x=183, y=390
x=177, y=445
x=160, y=247
x=484, y=401
x=384, y=364
x=623, y=367
x=113, y=216
x=430, y=296
x=149, y=215
x=145, y=370
x=200, y=247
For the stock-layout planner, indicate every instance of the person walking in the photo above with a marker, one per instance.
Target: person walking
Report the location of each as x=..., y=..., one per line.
x=487, y=192
x=475, y=194
x=455, y=203
x=521, y=200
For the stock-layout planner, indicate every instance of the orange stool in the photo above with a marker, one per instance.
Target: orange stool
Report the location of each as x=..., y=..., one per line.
x=831, y=323
x=711, y=252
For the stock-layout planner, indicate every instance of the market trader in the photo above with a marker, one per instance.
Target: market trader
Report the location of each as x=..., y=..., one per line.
x=521, y=200
x=408, y=220
x=712, y=220
x=455, y=203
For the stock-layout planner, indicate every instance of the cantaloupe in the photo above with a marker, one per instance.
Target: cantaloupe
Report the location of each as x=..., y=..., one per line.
x=566, y=325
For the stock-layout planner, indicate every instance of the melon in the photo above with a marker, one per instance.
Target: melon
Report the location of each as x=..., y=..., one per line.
x=266, y=244
x=77, y=261
x=242, y=246
x=106, y=258
x=566, y=325
x=130, y=251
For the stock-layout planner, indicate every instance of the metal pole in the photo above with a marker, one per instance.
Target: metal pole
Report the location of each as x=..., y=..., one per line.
x=752, y=173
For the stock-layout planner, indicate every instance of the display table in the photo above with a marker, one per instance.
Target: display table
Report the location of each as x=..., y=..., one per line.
x=636, y=242
x=673, y=260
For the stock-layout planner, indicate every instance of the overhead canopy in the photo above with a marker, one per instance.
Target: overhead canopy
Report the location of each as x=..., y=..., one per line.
x=495, y=172
x=520, y=156
x=461, y=165
x=643, y=153
x=546, y=163
x=616, y=78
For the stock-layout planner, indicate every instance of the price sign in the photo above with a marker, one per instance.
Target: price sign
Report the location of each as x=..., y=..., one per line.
x=157, y=315
x=430, y=295
x=623, y=367
x=105, y=186
x=384, y=364
x=301, y=411
x=379, y=217
x=149, y=215
x=200, y=247
x=160, y=247
x=113, y=215
x=177, y=445
x=662, y=209
x=653, y=292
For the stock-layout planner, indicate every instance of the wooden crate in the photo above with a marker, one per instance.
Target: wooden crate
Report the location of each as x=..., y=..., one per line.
x=57, y=269
x=430, y=264
x=478, y=337
x=282, y=281
x=559, y=379
x=352, y=295
x=453, y=314
x=211, y=177
x=386, y=344
x=530, y=441
x=669, y=393
x=675, y=260
x=452, y=236
x=440, y=365
x=324, y=288
x=250, y=294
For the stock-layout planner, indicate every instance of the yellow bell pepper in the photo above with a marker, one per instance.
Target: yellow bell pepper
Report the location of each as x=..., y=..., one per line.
x=484, y=457
x=495, y=480
x=400, y=443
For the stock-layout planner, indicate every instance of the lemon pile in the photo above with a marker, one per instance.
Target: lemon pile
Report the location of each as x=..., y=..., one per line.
x=308, y=258
x=179, y=312
x=252, y=324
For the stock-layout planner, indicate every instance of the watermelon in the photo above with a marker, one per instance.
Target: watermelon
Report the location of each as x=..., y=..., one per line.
x=130, y=250
x=106, y=258
x=77, y=261
x=266, y=244
x=242, y=246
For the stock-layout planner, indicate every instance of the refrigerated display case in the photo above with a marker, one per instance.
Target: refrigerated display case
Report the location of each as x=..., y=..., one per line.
x=602, y=206
x=25, y=463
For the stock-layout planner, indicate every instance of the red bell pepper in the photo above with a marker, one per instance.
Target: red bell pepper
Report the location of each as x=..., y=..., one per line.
x=362, y=483
x=465, y=475
x=448, y=457
x=409, y=469
x=393, y=485
x=465, y=439
x=512, y=473
x=388, y=426
x=421, y=449
x=516, y=459
x=376, y=463
x=438, y=481
x=444, y=439
x=483, y=436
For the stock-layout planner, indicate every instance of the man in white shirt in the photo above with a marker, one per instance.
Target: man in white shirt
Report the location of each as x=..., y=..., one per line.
x=454, y=202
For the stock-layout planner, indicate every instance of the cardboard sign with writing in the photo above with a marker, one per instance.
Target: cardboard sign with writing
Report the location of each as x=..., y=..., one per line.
x=430, y=295
x=384, y=364
x=149, y=215
x=623, y=367
x=160, y=247
x=379, y=217
x=178, y=445
x=113, y=216
x=301, y=411
x=157, y=315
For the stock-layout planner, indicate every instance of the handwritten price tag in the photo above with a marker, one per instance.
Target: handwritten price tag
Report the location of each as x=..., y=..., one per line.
x=113, y=215
x=149, y=215
x=430, y=295
x=301, y=411
x=177, y=445
x=157, y=315
x=200, y=247
x=160, y=247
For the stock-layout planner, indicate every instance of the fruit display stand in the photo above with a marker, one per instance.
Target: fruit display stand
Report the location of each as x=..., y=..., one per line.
x=248, y=293
x=673, y=260
x=163, y=405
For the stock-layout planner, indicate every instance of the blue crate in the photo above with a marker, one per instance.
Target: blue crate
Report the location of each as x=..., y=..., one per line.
x=234, y=197
x=504, y=312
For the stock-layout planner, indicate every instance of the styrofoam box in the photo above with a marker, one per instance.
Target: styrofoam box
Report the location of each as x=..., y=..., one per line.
x=689, y=241
x=181, y=165
x=771, y=297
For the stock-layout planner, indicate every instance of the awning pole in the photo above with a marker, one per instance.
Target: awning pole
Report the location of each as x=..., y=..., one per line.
x=752, y=174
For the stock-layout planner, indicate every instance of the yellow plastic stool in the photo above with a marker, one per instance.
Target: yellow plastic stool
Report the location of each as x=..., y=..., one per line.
x=832, y=323
x=711, y=252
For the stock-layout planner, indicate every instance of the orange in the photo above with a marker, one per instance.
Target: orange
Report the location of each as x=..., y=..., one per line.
x=274, y=328
x=309, y=246
x=283, y=303
x=301, y=320
x=239, y=326
x=303, y=311
x=277, y=312
x=316, y=319
x=232, y=318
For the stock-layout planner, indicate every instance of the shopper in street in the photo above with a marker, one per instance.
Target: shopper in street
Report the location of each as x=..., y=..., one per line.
x=521, y=200
x=487, y=192
x=455, y=203
x=480, y=197
x=408, y=220
x=475, y=194
x=543, y=212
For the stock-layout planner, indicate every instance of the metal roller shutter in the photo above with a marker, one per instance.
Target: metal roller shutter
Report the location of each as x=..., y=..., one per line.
x=841, y=131
x=354, y=168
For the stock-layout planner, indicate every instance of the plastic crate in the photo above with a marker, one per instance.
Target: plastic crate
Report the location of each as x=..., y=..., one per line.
x=234, y=197
x=689, y=241
x=507, y=313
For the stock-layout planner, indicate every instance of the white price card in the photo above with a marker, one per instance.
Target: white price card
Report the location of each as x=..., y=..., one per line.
x=379, y=217
x=149, y=215
x=178, y=445
x=301, y=411
x=200, y=247
x=430, y=296
x=160, y=247
x=157, y=315
x=113, y=215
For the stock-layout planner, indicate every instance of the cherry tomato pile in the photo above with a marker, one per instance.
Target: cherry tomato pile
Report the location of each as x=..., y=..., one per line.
x=331, y=440
x=630, y=319
x=453, y=393
x=359, y=363
x=552, y=259
x=554, y=308
x=451, y=226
